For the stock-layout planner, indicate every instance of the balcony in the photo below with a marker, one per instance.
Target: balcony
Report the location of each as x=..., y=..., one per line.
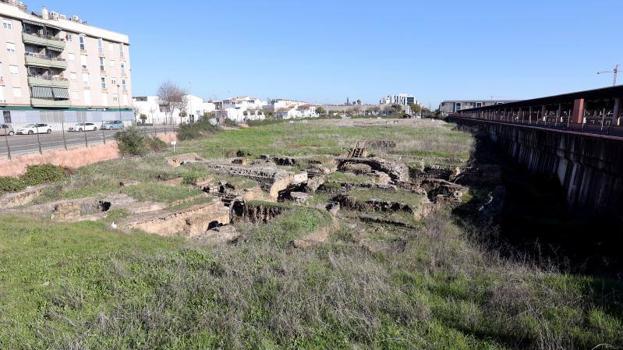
x=46, y=62
x=45, y=103
x=48, y=82
x=40, y=40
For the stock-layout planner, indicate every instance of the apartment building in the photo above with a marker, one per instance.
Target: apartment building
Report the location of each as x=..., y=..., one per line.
x=400, y=99
x=58, y=70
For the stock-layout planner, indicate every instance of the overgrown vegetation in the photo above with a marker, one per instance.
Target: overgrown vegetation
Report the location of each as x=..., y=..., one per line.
x=35, y=175
x=132, y=142
x=196, y=130
x=438, y=285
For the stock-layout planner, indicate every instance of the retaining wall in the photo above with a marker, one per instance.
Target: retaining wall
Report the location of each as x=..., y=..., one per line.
x=72, y=158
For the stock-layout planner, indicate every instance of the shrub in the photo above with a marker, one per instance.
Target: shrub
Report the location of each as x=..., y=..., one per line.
x=11, y=184
x=40, y=174
x=35, y=175
x=196, y=130
x=131, y=141
x=155, y=144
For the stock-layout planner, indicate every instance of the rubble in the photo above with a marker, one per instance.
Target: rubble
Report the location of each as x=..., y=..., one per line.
x=398, y=172
x=182, y=159
x=187, y=222
x=18, y=199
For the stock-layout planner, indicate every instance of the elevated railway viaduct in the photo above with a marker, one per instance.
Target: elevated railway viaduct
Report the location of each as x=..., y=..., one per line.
x=576, y=137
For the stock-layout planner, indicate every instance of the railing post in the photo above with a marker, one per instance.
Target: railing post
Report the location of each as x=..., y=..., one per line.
x=38, y=141
x=6, y=140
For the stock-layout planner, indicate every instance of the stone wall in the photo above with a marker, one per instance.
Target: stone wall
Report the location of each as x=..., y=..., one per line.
x=589, y=167
x=72, y=158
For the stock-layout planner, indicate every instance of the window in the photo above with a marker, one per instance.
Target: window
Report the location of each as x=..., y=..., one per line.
x=10, y=47
x=7, y=117
x=102, y=64
x=103, y=81
x=122, y=68
x=17, y=92
x=71, y=57
x=83, y=61
x=121, y=50
x=6, y=24
x=14, y=69
x=105, y=99
x=82, y=43
x=87, y=97
x=85, y=78
x=123, y=84
x=100, y=44
x=113, y=81
x=68, y=38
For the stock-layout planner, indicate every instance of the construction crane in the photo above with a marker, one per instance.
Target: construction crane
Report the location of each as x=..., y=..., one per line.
x=614, y=72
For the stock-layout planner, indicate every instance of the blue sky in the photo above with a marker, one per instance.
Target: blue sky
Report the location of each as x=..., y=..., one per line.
x=326, y=50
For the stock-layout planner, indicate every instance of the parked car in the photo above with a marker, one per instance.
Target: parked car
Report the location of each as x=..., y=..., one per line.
x=112, y=125
x=32, y=129
x=83, y=127
x=7, y=130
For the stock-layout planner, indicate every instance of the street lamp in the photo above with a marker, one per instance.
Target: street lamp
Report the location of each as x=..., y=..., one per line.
x=119, y=100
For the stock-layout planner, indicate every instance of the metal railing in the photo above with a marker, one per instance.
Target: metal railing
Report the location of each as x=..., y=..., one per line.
x=599, y=125
x=12, y=145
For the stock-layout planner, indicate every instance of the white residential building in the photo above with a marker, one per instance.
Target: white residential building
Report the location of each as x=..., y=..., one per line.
x=302, y=111
x=241, y=109
x=400, y=99
x=153, y=109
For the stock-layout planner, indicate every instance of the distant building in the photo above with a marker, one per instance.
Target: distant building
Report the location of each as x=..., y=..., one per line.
x=400, y=99
x=453, y=106
x=155, y=111
x=240, y=109
x=297, y=112
x=58, y=70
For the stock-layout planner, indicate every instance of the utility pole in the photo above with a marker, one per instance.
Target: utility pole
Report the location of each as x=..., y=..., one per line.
x=614, y=72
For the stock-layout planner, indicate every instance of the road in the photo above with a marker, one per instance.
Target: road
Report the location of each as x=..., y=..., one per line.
x=26, y=144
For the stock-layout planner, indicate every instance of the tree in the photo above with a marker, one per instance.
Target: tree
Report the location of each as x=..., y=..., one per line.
x=172, y=98
x=395, y=109
x=320, y=110
x=415, y=108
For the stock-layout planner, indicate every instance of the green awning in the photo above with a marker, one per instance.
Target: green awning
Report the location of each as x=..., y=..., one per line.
x=41, y=92
x=60, y=93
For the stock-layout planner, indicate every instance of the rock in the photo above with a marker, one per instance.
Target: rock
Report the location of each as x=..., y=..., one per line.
x=17, y=199
x=397, y=171
x=179, y=160
x=333, y=208
x=222, y=234
x=300, y=178
x=299, y=197
x=356, y=168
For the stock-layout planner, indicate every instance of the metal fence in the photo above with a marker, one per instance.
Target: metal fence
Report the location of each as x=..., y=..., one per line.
x=44, y=139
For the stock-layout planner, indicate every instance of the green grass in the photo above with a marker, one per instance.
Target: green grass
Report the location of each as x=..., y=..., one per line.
x=59, y=282
x=350, y=178
x=400, y=196
x=84, y=286
x=157, y=192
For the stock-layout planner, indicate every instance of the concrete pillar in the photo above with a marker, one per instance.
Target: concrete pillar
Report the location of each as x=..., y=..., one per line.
x=530, y=115
x=577, y=116
x=543, y=111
